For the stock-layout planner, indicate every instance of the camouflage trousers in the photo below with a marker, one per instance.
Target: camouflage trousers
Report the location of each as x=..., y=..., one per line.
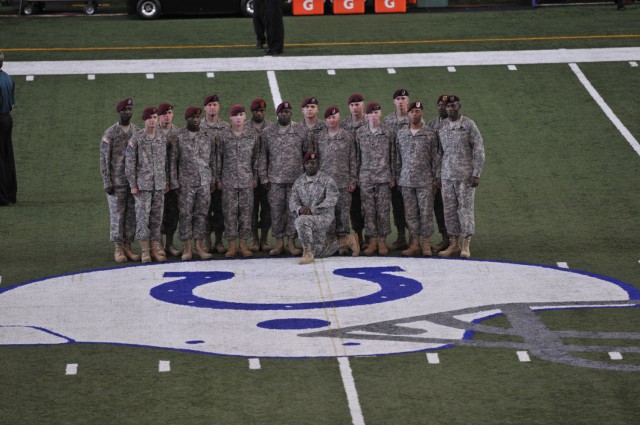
x=149, y=208
x=397, y=206
x=312, y=230
x=438, y=211
x=237, y=205
x=458, y=198
x=418, y=210
x=281, y=217
x=340, y=226
x=122, y=215
x=194, y=203
x=171, y=213
x=376, y=200
x=261, y=217
x=215, y=216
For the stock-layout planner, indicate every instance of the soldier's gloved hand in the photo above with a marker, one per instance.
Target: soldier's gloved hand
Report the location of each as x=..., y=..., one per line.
x=109, y=190
x=352, y=187
x=212, y=187
x=475, y=181
x=267, y=186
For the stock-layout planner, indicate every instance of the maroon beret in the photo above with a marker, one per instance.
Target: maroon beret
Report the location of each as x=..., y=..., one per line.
x=400, y=92
x=283, y=105
x=416, y=104
x=373, y=106
x=356, y=97
x=257, y=104
x=235, y=110
x=309, y=101
x=442, y=98
x=191, y=111
x=146, y=114
x=164, y=108
x=452, y=98
x=123, y=103
x=309, y=155
x=210, y=98
x=331, y=110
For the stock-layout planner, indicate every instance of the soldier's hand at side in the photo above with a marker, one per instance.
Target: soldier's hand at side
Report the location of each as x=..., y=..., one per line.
x=304, y=211
x=220, y=185
x=255, y=183
x=475, y=181
x=352, y=187
x=212, y=187
x=439, y=184
x=135, y=191
x=177, y=189
x=392, y=183
x=267, y=186
x=109, y=190
x=166, y=188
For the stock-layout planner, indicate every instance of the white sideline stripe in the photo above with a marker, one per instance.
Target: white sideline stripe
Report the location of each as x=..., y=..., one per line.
x=433, y=358
x=164, y=366
x=350, y=389
x=297, y=63
x=150, y=76
x=331, y=71
x=512, y=68
x=451, y=69
x=254, y=364
x=72, y=369
x=210, y=74
x=605, y=108
x=563, y=265
x=614, y=355
x=391, y=70
x=275, y=89
x=91, y=77
x=633, y=64
x=523, y=356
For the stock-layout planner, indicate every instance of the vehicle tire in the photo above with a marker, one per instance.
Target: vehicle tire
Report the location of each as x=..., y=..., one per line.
x=90, y=8
x=246, y=6
x=27, y=9
x=149, y=9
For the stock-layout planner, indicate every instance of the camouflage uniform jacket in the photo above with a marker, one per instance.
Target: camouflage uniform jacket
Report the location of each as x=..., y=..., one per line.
x=238, y=159
x=318, y=192
x=376, y=155
x=393, y=122
x=146, y=162
x=112, y=155
x=462, y=149
x=193, y=160
x=338, y=157
x=352, y=126
x=436, y=122
x=313, y=132
x=281, y=158
x=418, y=158
x=254, y=126
x=171, y=135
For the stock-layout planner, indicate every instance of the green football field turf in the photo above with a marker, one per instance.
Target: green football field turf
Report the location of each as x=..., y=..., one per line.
x=560, y=185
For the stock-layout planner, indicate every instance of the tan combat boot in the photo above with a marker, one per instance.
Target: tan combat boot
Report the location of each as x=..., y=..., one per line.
x=233, y=250
x=157, y=253
x=244, y=250
x=264, y=241
x=169, y=248
x=343, y=245
x=400, y=242
x=442, y=245
x=382, y=246
x=255, y=243
x=277, y=250
x=187, y=252
x=200, y=252
x=219, y=245
x=373, y=246
x=307, y=256
x=118, y=254
x=352, y=242
x=130, y=254
x=426, y=248
x=414, y=247
x=465, y=252
x=291, y=247
x=146, y=251
x=453, y=250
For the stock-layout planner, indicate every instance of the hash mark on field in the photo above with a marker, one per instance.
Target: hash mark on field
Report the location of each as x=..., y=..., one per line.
x=350, y=388
x=72, y=369
x=614, y=355
x=254, y=364
x=391, y=70
x=210, y=74
x=29, y=77
x=512, y=68
x=331, y=71
x=433, y=358
x=149, y=76
x=563, y=265
x=523, y=356
x=91, y=77
x=633, y=64
x=164, y=366
x=451, y=69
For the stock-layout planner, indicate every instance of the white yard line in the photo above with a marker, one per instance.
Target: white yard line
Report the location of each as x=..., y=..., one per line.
x=350, y=389
x=605, y=108
x=296, y=63
x=275, y=89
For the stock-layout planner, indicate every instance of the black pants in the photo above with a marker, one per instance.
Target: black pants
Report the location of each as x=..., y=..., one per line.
x=8, y=181
x=258, y=21
x=274, y=25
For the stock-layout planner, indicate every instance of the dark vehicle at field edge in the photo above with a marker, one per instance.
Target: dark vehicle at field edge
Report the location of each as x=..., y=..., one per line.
x=30, y=7
x=152, y=9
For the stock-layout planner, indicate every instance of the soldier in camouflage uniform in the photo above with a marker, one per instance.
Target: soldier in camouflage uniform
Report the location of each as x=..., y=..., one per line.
x=193, y=171
x=314, y=196
x=261, y=218
x=147, y=171
x=418, y=161
x=397, y=120
x=311, y=123
x=438, y=206
x=376, y=172
x=352, y=123
x=122, y=213
x=337, y=149
x=237, y=178
x=462, y=164
x=283, y=146
x=213, y=126
x=171, y=210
